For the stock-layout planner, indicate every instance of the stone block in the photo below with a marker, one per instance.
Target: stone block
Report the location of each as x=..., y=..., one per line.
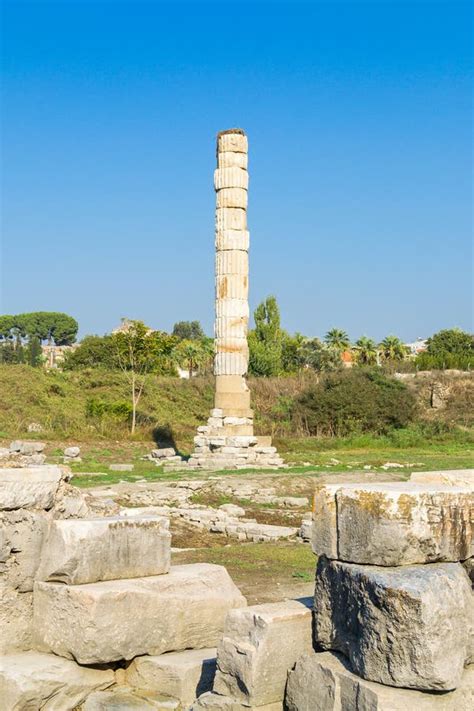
x=229, y=364
x=22, y=533
x=72, y=452
x=232, y=262
x=391, y=524
x=409, y=626
x=29, y=487
x=231, y=218
x=122, y=698
x=448, y=477
x=215, y=702
x=325, y=682
x=27, y=448
x=235, y=142
x=232, y=197
x=230, y=400
x=30, y=681
x=163, y=452
x=232, y=159
x=259, y=645
x=121, y=619
x=232, y=239
x=121, y=467
x=182, y=675
x=80, y=551
x=16, y=619
x=217, y=412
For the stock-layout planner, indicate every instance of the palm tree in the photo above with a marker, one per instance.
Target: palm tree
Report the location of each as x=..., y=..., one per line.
x=366, y=350
x=194, y=354
x=392, y=348
x=338, y=339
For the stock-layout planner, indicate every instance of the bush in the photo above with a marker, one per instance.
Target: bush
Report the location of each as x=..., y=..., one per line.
x=354, y=401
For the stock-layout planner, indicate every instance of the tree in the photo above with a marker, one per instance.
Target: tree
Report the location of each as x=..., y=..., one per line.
x=136, y=350
x=366, y=351
x=194, y=354
x=188, y=330
x=292, y=359
x=266, y=340
x=44, y=325
x=320, y=356
x=93, y=352
x=34, y=352
x=449, y=348
x=392, y=348
x=338, y=339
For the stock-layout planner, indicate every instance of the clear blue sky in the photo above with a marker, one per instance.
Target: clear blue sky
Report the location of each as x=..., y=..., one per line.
x=358, y=117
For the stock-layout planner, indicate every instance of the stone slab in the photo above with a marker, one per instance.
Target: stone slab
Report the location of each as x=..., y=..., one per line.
x=182, y=675
x=325, y=682
x=31, y=681
x=122, y=698
x=29, y=487
x=449, y=477
x=259, y=645
x=16, y=619
x=216, y=702
x=121, y=619
x=22, y=533
x=90, y=550
x=406, y=626
x=395, y=523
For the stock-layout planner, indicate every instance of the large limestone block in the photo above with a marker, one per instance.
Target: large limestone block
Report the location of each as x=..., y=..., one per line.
x=392, y=524
x=232, y=262
x=32, y=681
x=182, y=675
x=232, y=239
x=450, y=477
x=232, y=286
x=22, y=533
x=29, y=487
x=232, y=197
x=231, y=218
x=409, y=626
x=122, y=698
x=217, y=702
x=231, y=178
x=91, y=550
x=232, y=159
x=259, y=645
x=232, y=308
x=16, y=619
x=121, y=619
x=231, y=328
x=235, y=142
x=324, y=682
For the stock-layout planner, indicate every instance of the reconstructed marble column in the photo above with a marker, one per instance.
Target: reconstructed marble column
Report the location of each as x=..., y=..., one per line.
x=227, y=441
x=232, y=274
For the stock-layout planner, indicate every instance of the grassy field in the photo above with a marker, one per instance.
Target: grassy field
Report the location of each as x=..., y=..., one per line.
x=171, y=409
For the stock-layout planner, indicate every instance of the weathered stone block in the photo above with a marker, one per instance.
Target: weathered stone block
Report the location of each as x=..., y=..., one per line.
x=16, y=619
x=91, y=550
x=122, y=698
x=182, y=675
x=22, y=533
x=259, y=645
x=30, y=681
x=232, y=239
x=216, y=702
x=232, y=197
x=99, y=622
x=447, y=477
x=407, y=626
x=232, y=159
x=235, y=142
x=393, y=523
x=324, y=682
x=29, y=487
x=231, y=218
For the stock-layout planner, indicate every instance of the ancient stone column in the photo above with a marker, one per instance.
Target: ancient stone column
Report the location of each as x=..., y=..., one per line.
x=227, y=441
x=232, y=275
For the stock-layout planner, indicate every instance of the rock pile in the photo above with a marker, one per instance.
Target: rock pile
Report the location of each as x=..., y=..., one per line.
x=393, y=606
x=21, y=453
x=100, y=591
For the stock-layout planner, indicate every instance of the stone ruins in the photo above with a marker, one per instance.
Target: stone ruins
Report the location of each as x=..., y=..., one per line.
x=228, y=440
x=94, y=617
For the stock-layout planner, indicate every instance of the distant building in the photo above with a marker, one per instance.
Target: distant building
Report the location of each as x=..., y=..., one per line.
x=347, y=359
x=417, y=346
